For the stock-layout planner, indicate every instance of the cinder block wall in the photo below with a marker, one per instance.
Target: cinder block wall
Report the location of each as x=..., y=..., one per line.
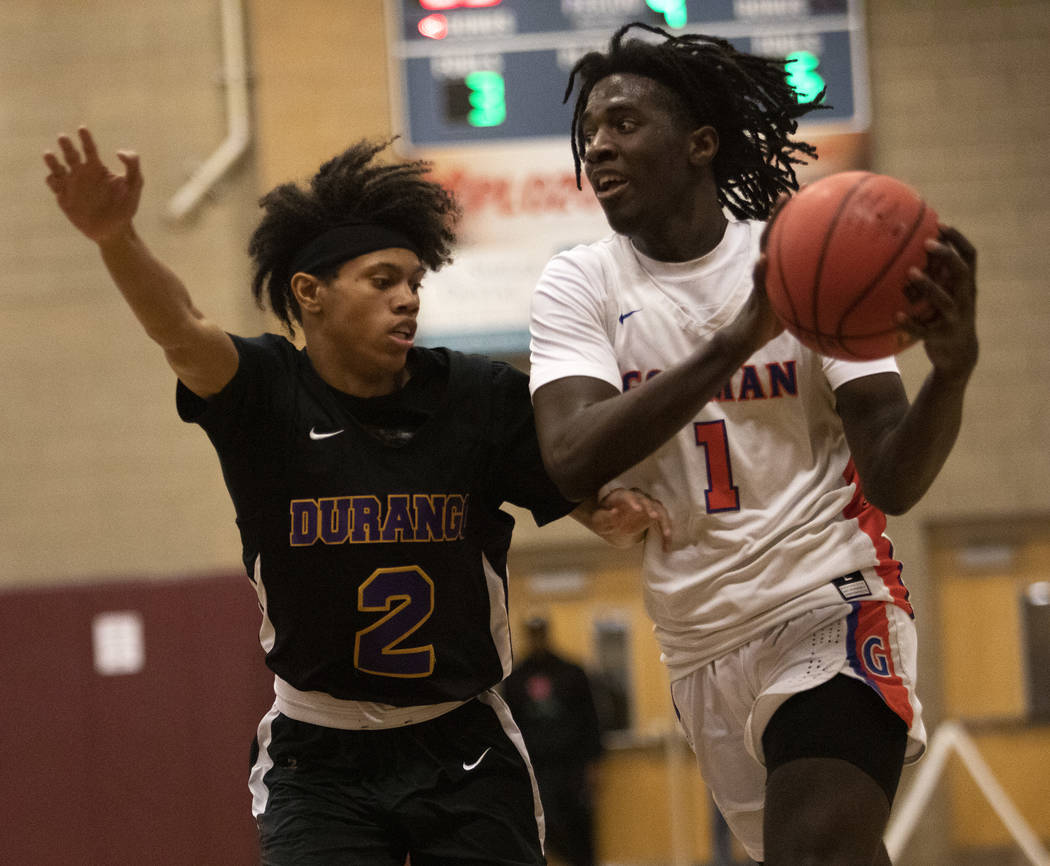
x=100, y=477
x=961, y=92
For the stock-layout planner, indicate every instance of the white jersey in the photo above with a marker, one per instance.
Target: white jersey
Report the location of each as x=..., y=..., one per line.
x=768, y=519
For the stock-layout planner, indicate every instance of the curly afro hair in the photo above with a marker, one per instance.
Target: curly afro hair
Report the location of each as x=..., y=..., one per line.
x=354, y=186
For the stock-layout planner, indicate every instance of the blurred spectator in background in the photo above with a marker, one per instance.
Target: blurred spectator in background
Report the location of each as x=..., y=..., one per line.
x=552, y=703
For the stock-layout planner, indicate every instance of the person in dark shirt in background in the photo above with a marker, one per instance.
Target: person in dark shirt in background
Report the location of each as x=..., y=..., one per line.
x=551, y=700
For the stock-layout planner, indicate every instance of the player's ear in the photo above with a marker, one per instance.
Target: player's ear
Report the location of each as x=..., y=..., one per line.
x=305, y=288
x=703, y=145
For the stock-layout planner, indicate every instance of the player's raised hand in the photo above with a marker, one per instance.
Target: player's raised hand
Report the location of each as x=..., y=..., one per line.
x=98, y=202
x=949, y=285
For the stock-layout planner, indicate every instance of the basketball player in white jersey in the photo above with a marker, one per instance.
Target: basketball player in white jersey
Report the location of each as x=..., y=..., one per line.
x=658, y=364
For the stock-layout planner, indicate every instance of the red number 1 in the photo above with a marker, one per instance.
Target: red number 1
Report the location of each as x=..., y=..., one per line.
x=721, y=494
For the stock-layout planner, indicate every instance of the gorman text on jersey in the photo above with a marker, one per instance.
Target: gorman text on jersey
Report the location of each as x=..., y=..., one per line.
x=749, y=383
x=368, y=520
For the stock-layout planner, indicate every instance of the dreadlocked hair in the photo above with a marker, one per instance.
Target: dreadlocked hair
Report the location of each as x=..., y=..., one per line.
x=351, y=187
x=746, y=98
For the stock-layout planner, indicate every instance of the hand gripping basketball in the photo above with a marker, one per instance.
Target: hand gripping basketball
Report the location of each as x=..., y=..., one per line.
x=839, y=253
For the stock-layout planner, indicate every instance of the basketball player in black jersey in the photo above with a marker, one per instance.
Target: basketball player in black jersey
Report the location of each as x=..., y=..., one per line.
x=367, y=475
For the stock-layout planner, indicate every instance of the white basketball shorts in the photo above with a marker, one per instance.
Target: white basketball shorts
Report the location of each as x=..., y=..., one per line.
x=724, y=707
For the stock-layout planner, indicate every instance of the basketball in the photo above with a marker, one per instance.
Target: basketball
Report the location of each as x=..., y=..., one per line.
x=838, y=256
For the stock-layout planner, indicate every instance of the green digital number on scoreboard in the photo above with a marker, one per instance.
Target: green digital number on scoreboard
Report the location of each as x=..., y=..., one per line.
x=488, y=105
x=471, y=71
x=803, y=75
x=674, y=11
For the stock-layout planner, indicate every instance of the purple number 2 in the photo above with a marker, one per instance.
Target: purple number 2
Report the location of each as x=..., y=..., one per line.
x=407, y=596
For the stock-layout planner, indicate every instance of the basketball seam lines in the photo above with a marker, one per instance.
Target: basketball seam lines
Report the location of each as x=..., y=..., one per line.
x=823, y=255
x=878, y=277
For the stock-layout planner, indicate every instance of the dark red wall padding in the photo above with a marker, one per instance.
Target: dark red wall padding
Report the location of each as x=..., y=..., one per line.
x=139, y=769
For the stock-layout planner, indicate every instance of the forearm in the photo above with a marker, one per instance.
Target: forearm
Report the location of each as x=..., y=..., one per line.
x=597, y=441
x=155, y=294
x=911, y=455
x=914, y=452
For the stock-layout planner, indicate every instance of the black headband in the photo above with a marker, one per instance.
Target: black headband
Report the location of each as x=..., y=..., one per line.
x=345, y=242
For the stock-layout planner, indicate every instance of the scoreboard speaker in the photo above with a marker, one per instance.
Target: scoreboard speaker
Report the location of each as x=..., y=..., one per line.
x=1035, y=622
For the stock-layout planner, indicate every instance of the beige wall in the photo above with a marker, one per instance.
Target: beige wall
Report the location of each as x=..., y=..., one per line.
x=328, y=58
x=102, y=480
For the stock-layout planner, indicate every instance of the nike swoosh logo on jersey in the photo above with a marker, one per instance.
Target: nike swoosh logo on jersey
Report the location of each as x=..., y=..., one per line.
x=628, y=314
x=481, y=757
x=315, y=435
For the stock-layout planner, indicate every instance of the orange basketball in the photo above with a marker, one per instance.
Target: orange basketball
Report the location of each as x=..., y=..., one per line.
x=838, y=253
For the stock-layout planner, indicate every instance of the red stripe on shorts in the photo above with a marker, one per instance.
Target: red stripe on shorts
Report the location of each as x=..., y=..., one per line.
x=872, y=523
x=870, y=655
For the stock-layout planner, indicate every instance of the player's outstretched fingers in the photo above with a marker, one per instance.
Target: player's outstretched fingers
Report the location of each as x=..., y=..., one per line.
x=132, y=168
x=661, y=518
x=656, y=514
x=88, y=145
x=57, y=172
x=965, y=248
x=69, y=151
x=922, y=287
x=958, y=259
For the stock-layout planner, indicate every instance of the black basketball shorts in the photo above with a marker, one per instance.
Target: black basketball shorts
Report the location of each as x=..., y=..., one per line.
x=454, y=790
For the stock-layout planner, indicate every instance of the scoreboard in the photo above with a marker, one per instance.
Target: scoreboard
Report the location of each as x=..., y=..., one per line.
x=477, y=87
x=476, y=71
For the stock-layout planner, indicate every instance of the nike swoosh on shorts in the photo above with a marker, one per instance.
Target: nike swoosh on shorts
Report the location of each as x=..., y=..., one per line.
x=481, y=757
x=315, y=435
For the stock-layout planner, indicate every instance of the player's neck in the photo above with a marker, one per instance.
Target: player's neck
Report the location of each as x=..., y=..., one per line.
x=684, y=237
x=351, y=375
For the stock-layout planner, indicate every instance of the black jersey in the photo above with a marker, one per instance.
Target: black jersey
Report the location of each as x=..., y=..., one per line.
x=372, y=529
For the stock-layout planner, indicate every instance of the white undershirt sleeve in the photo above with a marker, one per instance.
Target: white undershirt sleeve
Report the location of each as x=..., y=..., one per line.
x=840, y=372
